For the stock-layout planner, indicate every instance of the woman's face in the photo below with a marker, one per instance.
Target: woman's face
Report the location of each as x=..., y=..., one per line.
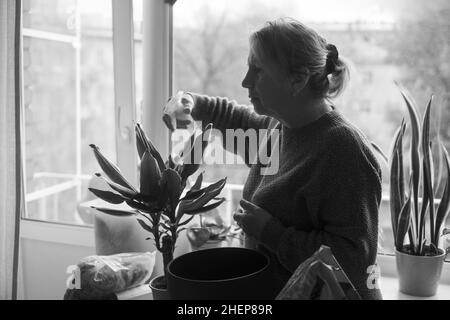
x=267, y=87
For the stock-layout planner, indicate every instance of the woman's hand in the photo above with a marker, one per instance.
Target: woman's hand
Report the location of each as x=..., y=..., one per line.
x=252, y=219
x=177, y=112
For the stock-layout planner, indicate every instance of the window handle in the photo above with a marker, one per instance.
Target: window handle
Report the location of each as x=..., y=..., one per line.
x=124, y=131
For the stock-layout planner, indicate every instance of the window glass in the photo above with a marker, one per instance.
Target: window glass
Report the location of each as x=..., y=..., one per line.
x=383, y=41
x=69, y=103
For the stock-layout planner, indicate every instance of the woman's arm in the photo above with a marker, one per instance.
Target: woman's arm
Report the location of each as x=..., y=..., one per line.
x=225, y=114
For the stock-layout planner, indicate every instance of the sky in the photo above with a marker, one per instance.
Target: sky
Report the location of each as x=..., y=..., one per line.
x=304, y=10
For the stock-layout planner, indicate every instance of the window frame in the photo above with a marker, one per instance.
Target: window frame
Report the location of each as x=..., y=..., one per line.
x=156, y=45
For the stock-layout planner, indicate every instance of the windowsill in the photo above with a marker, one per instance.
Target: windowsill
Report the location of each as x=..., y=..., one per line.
x=388, y=286
x=389, y=290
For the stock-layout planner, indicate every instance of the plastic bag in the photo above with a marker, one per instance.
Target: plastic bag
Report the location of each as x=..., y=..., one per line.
x=102, y=276
x=320, y=277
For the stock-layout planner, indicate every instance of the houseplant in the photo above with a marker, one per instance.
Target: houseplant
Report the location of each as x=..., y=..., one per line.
x=161, y=205
x=417, y=222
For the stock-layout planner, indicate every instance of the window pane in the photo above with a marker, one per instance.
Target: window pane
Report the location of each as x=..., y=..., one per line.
x=69, y=104
x=50, y=15
x=383, y=41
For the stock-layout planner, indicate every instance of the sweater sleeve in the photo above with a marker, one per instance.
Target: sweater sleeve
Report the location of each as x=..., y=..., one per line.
x=225, y=114
x=343, y=206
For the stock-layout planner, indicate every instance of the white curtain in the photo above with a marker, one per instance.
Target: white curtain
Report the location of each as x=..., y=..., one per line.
x=10, y=164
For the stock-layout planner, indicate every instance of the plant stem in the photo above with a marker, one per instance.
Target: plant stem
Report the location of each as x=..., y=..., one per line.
x=167, y=252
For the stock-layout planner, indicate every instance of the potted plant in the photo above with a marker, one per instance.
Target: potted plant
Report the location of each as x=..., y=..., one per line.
x=161, y=205
x=417, y=223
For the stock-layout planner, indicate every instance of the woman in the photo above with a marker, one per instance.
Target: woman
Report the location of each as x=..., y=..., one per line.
x=328, y=187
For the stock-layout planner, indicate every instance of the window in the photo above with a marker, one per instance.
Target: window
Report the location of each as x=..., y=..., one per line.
x=69, y=79
x=69, y=101
x=383, y=41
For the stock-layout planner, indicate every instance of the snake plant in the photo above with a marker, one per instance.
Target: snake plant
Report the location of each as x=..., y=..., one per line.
x=413, y=204
x=160, y=204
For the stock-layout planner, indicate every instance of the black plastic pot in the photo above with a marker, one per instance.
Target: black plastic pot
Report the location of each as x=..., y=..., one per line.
x=219, y=274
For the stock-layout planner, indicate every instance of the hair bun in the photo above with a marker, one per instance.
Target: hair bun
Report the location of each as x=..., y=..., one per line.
x=332, y=58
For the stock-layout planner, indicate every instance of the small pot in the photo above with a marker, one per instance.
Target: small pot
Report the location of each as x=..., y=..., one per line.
x=419, y=275
x=159, y=288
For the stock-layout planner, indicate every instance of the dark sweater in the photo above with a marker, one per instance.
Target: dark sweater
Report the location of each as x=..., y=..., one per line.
x=327, y=191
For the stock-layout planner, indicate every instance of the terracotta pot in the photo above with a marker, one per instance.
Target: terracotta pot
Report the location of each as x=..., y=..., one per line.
x=419, y=275
x=220, y=274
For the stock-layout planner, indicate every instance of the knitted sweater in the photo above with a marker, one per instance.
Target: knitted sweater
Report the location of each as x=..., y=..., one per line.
x=327, y=191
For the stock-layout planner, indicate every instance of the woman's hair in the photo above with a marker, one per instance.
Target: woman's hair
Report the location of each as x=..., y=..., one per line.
x=292, y=46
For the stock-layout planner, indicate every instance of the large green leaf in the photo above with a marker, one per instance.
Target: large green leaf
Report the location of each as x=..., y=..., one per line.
x=206, y=208
x=193, y=152
x=110, y=169
x=150, y=177
x=198, y=182
x=115, y=212
x=185, y=222
x=145, y=226
x=124, y=191
x=171, y=187
x=444, y=206
x=149, y=207
x=108, y=196
x=144, y=140
x=210, y=193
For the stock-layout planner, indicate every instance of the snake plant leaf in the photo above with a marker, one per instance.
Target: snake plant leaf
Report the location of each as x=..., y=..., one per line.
x=110, y=169
x=150, y=177
x=117, y=213
x=434, y=249
x=124, y=191
x=206, y=208
x=427, y=171
x=414, y=148
x=380, y=152
x=150, y=147
x=145, y=226
x=396, y=177
x=444, y=206
x=403, y=224
x=108, y=196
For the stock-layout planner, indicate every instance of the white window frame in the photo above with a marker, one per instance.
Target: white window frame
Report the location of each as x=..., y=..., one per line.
x=124, y=87
x=157, y=46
